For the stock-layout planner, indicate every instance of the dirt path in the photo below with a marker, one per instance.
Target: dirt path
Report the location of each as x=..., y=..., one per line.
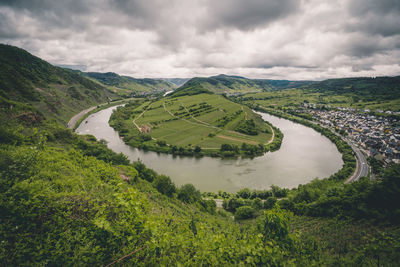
x=74, y=119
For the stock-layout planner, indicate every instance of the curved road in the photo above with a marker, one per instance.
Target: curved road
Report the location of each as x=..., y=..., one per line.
x=362, y=165
x=75, y=118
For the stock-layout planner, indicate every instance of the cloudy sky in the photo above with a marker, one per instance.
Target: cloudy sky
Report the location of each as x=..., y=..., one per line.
x=278, y=39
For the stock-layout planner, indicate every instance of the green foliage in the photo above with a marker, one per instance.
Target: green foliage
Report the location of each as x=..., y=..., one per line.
x=194, y=125
x=189, y=194
x=247, y=127
x=275, y=226
x=130, y=83
x=244, y=193
x=54, y=92
x=270, y=202
x=164, y=185
x=244, y=212
x=257, y=203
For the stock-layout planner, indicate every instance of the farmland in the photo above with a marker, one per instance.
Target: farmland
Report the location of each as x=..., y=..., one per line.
x=202, y=124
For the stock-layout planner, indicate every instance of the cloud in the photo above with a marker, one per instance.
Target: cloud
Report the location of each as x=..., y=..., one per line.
x=287, y=39
x=247, y=15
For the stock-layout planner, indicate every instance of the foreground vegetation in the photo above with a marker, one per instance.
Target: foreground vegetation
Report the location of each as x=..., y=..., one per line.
x=199, y=124
x=68, y=199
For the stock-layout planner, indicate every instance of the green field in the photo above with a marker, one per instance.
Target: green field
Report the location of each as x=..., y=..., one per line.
x=203, y=122
x=295, y=97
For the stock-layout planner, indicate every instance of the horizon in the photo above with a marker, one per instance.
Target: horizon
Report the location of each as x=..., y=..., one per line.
x=290, y=40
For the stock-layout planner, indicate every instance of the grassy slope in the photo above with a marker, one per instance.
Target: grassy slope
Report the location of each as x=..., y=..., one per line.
x=228, y=84
x=224, y=84
x=53, y=91
x=126, y=84
x=67, y=199
x=204, y=120
x=295, y=97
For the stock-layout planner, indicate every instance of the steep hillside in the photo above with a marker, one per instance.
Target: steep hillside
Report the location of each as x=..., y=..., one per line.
x=55, y=92
x=365, y=87
x=224, y=84
x=127, y=85
x=176, y=81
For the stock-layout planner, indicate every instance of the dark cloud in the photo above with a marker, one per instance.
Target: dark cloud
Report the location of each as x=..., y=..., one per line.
x=247, y=15
x=288, y=38
x=377, y=17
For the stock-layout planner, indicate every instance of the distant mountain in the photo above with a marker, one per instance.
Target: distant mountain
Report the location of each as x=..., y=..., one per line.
x=224, y=84
x=53, y=91
x=368, y=88
x=283, y=84
x=177, y=81
x=129, y=84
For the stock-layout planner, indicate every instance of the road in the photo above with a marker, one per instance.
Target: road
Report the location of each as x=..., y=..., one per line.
x=75, y=118
x=362, y=165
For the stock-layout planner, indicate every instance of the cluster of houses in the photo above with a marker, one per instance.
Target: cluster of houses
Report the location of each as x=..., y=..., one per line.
x=378, y=136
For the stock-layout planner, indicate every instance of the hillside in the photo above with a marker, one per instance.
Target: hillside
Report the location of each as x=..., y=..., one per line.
x=55, y=92
x=177, y=81
x=129, y=85
x=194, y=122
x=368, y=88
x=231, y=85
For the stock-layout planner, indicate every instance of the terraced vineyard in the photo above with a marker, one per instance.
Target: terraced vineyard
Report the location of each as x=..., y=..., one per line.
x=204, y=124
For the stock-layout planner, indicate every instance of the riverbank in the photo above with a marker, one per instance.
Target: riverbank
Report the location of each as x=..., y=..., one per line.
x=199, y=125
x=76, y=120
x=350, y=160
x=304, y=155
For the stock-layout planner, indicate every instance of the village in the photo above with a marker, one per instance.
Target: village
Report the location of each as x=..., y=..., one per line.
x=377, y=136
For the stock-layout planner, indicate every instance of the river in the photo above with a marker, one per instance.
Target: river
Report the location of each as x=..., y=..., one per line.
x=304, y=155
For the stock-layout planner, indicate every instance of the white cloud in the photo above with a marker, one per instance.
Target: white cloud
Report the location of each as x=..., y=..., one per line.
x=308, y=39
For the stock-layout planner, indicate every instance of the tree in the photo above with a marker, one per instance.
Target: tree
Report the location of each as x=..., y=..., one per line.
x=164, y=185
x=244, y=212
x=257, y=203
x=189, y=194
x=244, y=193
x=197, y=149
x=270, y=203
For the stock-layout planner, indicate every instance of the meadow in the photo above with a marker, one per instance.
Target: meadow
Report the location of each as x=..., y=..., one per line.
x=296, y=97
x=202, y=124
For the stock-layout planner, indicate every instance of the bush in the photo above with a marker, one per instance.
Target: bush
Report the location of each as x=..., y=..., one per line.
x=257, y=203
x=244, y=212
x=189, y=194
x=286, y=204
x=244, y=193
x=270, y=203
x=164, y=185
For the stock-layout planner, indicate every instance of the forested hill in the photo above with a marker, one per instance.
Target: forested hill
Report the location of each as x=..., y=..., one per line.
x=54, y=92
x=235, y=84
x=130, y=83
x=386, y=87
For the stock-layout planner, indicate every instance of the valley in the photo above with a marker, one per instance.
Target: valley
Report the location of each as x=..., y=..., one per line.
x=201, y=124
x=94, y=199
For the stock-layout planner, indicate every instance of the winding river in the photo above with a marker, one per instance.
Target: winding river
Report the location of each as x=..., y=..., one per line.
x=304, y=155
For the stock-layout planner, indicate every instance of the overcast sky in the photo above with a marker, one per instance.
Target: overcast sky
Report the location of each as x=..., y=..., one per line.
x=280, y=39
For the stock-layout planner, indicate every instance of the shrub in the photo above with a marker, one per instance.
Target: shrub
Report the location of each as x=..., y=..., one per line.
x=189, y=194
x=244, y=193
x=270, y=203
x=244, y=212
x=257, y=203
x=164, y=185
